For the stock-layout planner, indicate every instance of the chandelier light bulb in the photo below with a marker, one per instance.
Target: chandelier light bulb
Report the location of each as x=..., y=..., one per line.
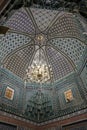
x=39, y=73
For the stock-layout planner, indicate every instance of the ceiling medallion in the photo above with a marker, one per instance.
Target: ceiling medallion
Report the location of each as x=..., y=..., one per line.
x=40, y=39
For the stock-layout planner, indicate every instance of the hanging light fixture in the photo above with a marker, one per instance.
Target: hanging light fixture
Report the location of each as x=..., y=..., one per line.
x=39, y=71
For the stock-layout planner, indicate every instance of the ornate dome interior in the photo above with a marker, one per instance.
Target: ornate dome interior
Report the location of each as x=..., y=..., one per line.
x=43, y=62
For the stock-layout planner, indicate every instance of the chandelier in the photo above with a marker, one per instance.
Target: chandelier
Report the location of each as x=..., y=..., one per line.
x=39, y=71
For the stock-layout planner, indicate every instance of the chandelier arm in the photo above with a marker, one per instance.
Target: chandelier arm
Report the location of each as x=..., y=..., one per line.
x=40, y=72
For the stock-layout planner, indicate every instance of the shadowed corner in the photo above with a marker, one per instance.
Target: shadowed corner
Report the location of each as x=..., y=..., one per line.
x=3, y=29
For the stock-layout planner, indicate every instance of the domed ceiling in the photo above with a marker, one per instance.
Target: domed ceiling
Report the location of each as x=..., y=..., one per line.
x=43, y=51
x=61, y=44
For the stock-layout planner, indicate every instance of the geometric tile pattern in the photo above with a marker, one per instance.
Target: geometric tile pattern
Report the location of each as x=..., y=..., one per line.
x=39, y=106
x=60, y=30
x=43, y=17
x=84, y=75
x=60, y=65
x=64, y=34
x=55, y=96
x=21, y=22
x=19, y=61
x=15, y=101
x=65, y=26
x=10, y=42
x=77, y=99
x=72, y=47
